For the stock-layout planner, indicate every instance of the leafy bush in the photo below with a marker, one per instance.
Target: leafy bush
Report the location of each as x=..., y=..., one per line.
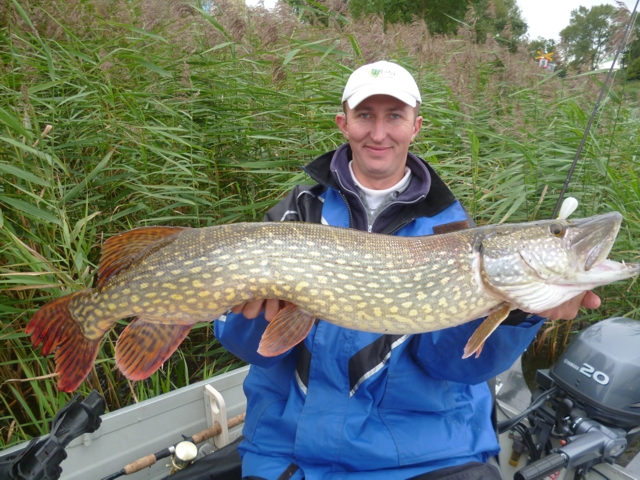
x=633, y=71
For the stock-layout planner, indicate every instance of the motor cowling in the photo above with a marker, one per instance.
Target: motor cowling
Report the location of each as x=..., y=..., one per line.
x=600, y=370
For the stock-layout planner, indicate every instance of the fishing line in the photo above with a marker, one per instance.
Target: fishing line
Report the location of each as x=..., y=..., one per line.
x=621, y=46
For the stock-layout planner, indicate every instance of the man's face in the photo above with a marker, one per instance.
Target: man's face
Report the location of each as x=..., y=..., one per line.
x=379, y=131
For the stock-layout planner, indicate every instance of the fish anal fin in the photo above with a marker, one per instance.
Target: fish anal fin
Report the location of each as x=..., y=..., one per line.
x=146, y=344
x=120, y=251
x=58, y=331
x=288, y=328
x=486, y=328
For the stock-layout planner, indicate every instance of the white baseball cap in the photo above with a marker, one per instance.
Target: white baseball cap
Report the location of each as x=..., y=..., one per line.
x=381, y=78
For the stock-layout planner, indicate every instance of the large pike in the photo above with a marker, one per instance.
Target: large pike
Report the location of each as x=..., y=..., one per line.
x=171, y=278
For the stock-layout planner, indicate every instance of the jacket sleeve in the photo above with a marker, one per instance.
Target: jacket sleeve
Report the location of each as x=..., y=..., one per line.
x=440, y=353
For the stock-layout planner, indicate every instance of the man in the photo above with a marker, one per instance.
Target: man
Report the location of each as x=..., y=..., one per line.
x=349, y=404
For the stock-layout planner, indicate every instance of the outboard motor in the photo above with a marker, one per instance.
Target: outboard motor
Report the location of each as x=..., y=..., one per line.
x=586, y=406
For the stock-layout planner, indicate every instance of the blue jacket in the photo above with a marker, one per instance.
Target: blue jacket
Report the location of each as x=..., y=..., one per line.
x=350, y=404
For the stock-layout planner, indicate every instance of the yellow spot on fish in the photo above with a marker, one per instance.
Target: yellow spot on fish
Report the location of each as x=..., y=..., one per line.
x=169, y=286
x=387, y=300
x=204, y=293
x=232, y=267
x=196, y=270
x=151, y=295
x=426, y=308
x=407, y=304
x=176, y=296
x=301, y=286
x=126, y=291
x=175, y=272
x=443, y=302
x=134, y=298
x=404, y=295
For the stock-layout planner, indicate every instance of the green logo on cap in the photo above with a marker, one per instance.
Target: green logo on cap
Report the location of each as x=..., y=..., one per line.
x=375, y=72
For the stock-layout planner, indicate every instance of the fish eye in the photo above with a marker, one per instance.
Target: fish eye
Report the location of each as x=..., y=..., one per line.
x=557, y=230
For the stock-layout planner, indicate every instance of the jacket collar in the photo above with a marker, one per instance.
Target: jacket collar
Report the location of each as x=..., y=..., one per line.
x=424, y=181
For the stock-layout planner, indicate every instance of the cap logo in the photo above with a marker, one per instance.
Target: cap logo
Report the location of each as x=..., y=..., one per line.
x=376, y=72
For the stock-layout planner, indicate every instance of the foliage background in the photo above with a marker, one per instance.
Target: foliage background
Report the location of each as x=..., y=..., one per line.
x=164, y=114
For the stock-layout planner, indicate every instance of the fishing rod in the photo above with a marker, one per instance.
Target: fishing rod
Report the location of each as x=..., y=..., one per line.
x=621, y=46
x=199, y=437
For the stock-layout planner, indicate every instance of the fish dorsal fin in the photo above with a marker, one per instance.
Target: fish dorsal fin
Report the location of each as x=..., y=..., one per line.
x=288, y=328
x=145, y=345
x=122, y=250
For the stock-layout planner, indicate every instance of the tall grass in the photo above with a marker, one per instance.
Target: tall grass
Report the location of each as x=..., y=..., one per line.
x=163, y=114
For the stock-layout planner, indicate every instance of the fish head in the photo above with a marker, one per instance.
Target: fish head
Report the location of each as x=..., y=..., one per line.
x=537, y=266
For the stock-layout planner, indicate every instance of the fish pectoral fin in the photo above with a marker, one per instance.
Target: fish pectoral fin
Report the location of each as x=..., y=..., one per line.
x=486, y=328
x=120, y=251
x=145, y=345
x=289, y=327
x=58, y=331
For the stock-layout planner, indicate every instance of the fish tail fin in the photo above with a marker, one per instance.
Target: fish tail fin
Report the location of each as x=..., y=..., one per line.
x=55, y=327
x=145, y=345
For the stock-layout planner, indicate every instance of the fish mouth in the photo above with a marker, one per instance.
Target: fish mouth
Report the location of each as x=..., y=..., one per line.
x=592, y=238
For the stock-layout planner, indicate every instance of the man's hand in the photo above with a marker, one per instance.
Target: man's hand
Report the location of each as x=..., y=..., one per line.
x=252, y=309
x=569, y=309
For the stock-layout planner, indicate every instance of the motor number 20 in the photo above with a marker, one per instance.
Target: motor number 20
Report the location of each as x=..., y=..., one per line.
x=589, y=371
